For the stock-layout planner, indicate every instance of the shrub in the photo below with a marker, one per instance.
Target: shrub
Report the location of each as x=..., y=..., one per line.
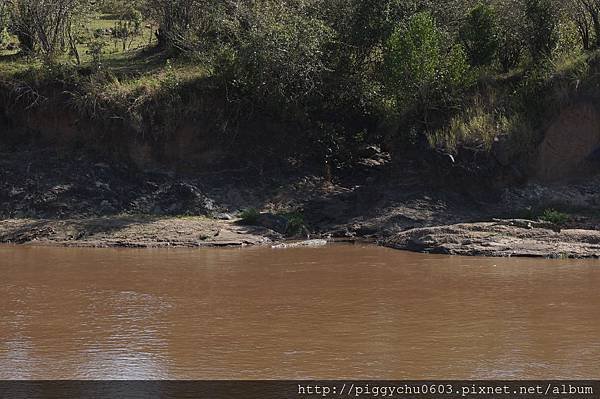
x=412, y=59
x=541, y=28
x=249, y=216
x=4, y=21
x=555, y=217
x=296, y=223
x=280, y=59
x=95, y=49
x=455, y=73
x=419, y=70
x=134, y=17
x=479, y=35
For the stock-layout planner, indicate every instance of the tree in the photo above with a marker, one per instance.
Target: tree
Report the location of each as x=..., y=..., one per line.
x=186, y=25
x=281, y=53
x=579, y=13
x=412, y=58
x=479, y=35
x=22, y=25
x=46, y=25
x=4, y=20
x=127, y=26
x=510, y=21
x=541, y=27
x=586, y=16
x=593, y=10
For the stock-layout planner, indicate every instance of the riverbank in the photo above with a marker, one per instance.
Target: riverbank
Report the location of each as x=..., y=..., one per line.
x=134, y=232
x=48, y=198
x=501, y=238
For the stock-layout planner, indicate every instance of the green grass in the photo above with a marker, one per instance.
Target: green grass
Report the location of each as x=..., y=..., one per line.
x=476, y=127
x=112, y=51
x=98, y=28
x=13, y=65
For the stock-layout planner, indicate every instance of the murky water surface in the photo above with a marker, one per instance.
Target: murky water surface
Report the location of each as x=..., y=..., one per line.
x=335, y=312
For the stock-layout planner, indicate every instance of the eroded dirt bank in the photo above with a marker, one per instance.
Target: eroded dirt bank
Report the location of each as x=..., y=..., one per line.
x=50, y=197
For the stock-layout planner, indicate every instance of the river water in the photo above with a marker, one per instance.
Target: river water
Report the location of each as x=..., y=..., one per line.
x=333, y=312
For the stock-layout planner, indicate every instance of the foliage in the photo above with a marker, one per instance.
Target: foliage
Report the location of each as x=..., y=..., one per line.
x=425, y=79
x=280, y=59
x=413, y=58
x=478, y=33
x=95, y=48
x=128, y=26
x=46, y=26
x=296, y=223
x=249, y=216
x=4, y=22
x=314, y=78
x=554, y=216
x=511, y=38
x=541, y=27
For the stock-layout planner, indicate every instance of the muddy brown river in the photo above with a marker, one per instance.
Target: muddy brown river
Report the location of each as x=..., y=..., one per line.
x=334, y=312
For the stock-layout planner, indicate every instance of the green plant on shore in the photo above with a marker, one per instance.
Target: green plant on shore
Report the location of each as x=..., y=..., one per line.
x=249, y=216
x=554, y=216
x=296, y=223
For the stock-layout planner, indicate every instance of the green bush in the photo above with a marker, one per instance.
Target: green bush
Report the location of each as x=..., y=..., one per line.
x=541, y=28
x=280, y=60
x=95, y=48
x=4, y=23
x=296, y=223
x=412, y=58
x=419, y=70
x=249, y=216
x=555, y=217
x=479, y=35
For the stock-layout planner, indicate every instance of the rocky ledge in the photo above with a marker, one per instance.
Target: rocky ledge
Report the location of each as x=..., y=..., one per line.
x=500, y=238
x=134, y=232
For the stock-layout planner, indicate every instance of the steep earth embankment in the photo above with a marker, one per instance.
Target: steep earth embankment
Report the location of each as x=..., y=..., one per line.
x=571, y=145
x=52, y=194
x=48, y=197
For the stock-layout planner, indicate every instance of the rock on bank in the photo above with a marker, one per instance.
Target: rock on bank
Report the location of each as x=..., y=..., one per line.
x=133, y=232
x=501, y=239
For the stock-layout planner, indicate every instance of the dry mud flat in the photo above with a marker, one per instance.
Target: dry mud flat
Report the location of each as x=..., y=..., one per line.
x=505, y=238
x=133, y=232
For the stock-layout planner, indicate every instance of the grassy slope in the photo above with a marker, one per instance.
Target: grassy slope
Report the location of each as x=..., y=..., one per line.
x=132, y=75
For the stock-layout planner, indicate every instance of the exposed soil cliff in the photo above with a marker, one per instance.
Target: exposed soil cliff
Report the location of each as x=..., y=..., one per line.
x=52, y=197
x=571, y=146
